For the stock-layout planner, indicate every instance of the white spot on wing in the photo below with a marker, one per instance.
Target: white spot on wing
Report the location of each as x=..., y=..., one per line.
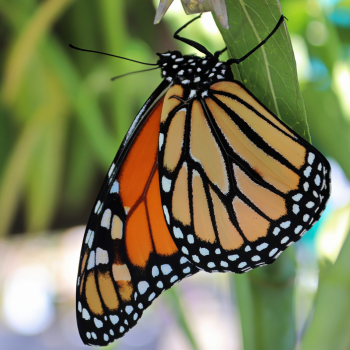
x=86, y=314
x=115, y=187
x=233, y=257
x=173, y=279
x=143, y=286
x=186, y=270
x=106, y=219
x=190, y=239
x=298, y=229
x=311, y=158
x=110, y=172
x=204, y=251
x=155, y=271
x=276, y=231
x=91, y=262
x=317, y=180
x=177, y=232
x=297, y=197
x=129, y=309
x=307, y=171
x=161, y=140
x=114, y=319
x=166, y=214
x=273, y=251
x=98, y=323
x=101, y=256
x=262, y=246
x=166, y=269
x=183, y=260
x=192, y=94
x=195, y=258
x=166, y=184
x=296, y=208
x=284, y=240
x=184, y=250
x=97, y=206
x=90, y=238
x=285, y=224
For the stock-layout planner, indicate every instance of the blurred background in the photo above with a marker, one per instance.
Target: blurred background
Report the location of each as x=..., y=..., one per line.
x=61, y=123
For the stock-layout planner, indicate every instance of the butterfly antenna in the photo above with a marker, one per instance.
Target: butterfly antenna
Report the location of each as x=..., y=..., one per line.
x=238, y=60
x=138, y=71
x=108, y=54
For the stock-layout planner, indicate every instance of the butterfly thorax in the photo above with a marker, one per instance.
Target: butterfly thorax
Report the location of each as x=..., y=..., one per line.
x=193, y=71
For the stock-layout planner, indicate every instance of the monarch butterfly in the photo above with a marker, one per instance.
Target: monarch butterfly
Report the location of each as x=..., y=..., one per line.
x=206, y=178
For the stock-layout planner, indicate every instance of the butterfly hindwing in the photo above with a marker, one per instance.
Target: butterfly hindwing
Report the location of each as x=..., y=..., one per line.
x=240, y=186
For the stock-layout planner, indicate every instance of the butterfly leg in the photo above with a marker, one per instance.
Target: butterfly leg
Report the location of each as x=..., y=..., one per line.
x=219, y=53
x=192, y=43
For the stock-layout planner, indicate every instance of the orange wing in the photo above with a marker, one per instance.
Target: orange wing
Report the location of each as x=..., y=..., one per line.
x=238, y=185
x=128, y=256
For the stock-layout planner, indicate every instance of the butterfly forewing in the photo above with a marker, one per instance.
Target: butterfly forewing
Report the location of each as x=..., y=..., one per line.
x=241, y=186
x=128, y=256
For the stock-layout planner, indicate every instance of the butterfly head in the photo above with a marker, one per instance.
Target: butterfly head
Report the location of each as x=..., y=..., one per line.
x=191, y=70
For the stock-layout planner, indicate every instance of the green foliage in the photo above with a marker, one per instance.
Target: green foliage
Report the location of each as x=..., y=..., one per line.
x=59, y=107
